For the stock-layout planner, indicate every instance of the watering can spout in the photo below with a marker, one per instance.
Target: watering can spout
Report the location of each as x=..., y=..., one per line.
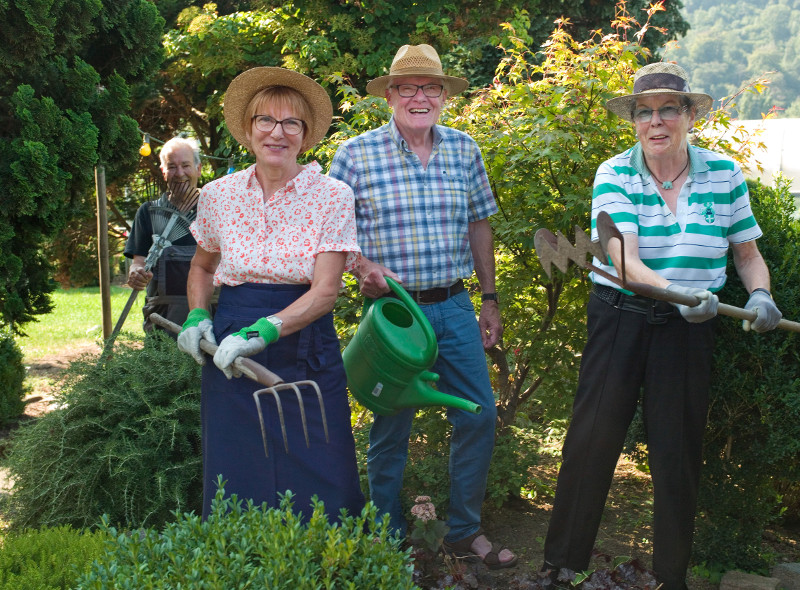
x=419, y=394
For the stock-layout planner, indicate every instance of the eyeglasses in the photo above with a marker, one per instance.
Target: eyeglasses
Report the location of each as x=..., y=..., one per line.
x=666, y=114
x=290, y=126
x=410, y=90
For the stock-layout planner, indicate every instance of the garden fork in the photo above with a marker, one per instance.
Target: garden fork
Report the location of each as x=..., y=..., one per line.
x=274, y=385
x=557, y=250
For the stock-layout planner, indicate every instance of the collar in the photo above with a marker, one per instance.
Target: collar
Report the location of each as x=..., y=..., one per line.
x=300, y=182
x=696, y=165
x=401, y=143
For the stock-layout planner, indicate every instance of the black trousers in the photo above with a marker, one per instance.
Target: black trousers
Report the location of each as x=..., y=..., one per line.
x=666, y=362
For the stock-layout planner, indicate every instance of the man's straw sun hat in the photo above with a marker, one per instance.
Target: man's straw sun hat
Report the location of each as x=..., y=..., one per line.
x=246, y=85
x=659, y=78
x=417, y=61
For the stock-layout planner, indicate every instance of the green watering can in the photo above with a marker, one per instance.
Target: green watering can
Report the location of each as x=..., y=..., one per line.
x=387, y=360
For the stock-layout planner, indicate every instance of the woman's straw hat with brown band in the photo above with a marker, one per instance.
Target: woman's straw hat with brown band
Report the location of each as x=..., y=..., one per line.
x=417, y=61
x=659, y=78
x=246, y=85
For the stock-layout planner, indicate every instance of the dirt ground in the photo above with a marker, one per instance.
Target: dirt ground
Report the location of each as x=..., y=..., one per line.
x=521, y=524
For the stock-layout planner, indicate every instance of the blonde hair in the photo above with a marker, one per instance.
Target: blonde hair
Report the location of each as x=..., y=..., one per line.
x=281, y=97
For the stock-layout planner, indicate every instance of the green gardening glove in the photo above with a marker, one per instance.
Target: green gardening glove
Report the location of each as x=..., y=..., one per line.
x=198, y=326
x=246, y=342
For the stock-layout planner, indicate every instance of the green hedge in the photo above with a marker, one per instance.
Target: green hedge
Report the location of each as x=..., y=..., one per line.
x=255, y=547
x=48, y=559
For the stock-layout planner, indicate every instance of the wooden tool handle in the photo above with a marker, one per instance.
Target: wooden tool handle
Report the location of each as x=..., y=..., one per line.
x=690, y=300
x=248, y=367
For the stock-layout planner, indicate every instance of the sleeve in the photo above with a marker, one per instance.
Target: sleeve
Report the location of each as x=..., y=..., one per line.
x=141, y=237
x=481, y=198
x=339, y=230
x=743, y=225
x=204, y=227
x=610, y=195
x=342, y=167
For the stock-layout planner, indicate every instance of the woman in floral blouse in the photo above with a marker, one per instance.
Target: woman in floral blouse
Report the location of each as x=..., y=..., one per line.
x=277, y=238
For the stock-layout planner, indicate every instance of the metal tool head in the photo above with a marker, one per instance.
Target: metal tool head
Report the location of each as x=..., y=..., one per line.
x=556, y=249
x=274, y=392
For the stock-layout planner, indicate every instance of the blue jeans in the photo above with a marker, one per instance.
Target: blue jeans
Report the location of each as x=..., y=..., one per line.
x=463, y=372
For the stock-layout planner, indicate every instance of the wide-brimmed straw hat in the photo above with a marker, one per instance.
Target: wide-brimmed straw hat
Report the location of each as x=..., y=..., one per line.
x=246, y=85
x=418, y=61
x=660, y=78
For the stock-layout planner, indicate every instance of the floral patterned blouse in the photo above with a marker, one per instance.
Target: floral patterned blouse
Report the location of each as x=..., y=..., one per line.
x=275, y=241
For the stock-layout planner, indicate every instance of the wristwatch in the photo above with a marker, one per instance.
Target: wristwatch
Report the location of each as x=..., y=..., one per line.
x=275, y=321
x=490, y=297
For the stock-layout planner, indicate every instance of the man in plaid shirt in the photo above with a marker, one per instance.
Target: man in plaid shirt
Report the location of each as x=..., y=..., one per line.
x=422, y=206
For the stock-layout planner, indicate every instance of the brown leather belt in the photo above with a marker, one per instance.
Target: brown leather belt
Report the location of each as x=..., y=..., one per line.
x=436, y=295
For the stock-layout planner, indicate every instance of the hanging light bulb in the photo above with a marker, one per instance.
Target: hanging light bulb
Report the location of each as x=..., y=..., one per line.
x=231, y=167
x=145, y=149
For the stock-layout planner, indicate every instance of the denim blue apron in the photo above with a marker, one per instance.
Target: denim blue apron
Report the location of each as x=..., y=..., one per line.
x=232, y=443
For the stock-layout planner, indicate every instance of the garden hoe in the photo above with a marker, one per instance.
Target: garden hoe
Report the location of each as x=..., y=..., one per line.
x=557, y=250
x=264, y=376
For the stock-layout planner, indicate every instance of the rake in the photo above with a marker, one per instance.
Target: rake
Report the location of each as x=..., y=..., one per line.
x=170, y=216
x=273, y=385
x=556, y=250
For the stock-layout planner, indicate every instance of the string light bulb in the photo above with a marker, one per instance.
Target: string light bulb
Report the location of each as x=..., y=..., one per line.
x=145, y=149
x=231, y=167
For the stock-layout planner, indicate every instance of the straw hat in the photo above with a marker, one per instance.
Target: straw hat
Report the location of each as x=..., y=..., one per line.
x=246, y=85
x=417, y=60
x=659, y=78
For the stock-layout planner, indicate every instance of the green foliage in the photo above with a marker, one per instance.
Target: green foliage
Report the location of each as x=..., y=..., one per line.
x=48, y=558
x=733, y=41
x=752, y=442
x=124, y=441
x=64, y=96
x=12, y=378
x=255, y=547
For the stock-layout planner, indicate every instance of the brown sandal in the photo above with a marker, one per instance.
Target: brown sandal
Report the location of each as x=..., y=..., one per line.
x=463, y=549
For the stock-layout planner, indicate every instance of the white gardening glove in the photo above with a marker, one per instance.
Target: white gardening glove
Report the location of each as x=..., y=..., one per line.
x=767, y=313
x=198, y=326
x=246, y=342
x=705, y=310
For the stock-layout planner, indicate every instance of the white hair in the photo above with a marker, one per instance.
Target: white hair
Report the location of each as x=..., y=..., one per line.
x=179, y=142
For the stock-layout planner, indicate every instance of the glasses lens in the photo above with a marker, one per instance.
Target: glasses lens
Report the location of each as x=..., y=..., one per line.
x=292, y=126
x=668, y=113
x=642, y=115
x=265, y=123
x=406, y=90
x=432, y=90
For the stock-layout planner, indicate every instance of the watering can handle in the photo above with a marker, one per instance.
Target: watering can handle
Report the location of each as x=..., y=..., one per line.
x=413, y=308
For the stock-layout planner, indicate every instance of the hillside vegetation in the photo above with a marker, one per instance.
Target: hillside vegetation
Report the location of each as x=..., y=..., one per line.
x=732, y=42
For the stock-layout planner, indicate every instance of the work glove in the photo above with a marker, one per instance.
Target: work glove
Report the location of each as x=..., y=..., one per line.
x=705, y=310
x=198, y=326
x=246, y=342
x=767, y=313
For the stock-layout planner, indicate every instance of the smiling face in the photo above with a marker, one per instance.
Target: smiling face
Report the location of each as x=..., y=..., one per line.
x=276, y=148
x=178, y=165
x=419, y=113
x=662, y=139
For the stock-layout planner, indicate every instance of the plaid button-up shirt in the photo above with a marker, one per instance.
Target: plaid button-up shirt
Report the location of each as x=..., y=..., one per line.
x=414, y=219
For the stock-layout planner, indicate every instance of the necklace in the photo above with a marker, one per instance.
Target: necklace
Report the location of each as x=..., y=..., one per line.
x=667, y=184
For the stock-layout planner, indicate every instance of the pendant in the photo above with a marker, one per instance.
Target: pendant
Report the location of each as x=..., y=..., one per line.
x=666, y=185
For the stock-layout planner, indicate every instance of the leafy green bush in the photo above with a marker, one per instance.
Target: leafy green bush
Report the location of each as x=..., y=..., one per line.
x=124, y=442
x=255, y=547
x=12, y=377
x=49, y=558
x=752, y=442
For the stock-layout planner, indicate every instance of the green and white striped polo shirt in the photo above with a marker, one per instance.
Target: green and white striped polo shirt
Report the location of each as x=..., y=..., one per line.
x=689, y=247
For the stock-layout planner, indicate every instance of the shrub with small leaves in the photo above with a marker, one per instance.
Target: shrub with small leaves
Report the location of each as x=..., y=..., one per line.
x=248, y=546
x=124, y=441
x=49, y=558
x=12, y=377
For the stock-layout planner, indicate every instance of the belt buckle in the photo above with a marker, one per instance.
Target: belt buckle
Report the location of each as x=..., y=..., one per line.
x=652, y=318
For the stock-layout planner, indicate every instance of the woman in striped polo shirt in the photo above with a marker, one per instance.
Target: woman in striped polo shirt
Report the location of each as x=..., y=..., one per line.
x=679, y=208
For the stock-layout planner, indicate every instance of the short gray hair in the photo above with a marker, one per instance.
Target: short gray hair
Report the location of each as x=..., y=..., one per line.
x=179, y=142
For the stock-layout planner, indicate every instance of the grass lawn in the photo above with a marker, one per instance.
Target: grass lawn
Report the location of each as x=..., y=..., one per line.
x=77, y=321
